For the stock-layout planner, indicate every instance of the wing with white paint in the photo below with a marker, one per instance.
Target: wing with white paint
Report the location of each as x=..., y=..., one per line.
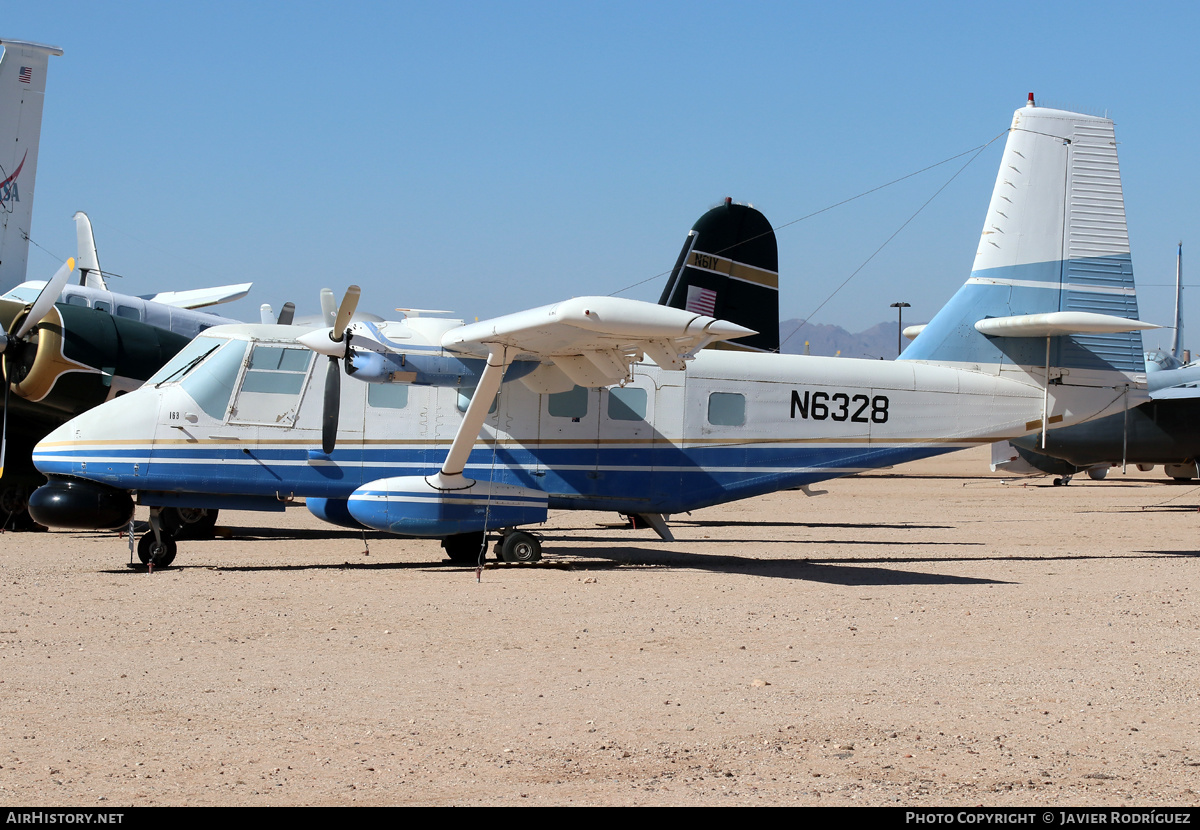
x=201, y=297
x=593, y=341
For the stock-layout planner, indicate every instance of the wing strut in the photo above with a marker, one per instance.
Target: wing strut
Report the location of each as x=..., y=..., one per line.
x=450, y=477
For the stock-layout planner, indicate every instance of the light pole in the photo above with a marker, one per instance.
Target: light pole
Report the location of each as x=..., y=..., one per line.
x=899, y=324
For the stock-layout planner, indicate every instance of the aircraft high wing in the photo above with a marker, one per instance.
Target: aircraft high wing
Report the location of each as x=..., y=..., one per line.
x=458, y=431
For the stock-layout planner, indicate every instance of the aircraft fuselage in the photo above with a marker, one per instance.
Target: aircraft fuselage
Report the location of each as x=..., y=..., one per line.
x=243, y=428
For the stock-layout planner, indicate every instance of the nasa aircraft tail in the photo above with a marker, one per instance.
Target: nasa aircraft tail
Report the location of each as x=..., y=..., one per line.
x=1051, y=294
x=22, y=88
x=729, y=269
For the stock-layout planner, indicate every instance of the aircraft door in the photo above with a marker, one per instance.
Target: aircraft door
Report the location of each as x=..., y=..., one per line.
x=626, y=447
x=393, y=429
x=272, y=386
x=569, y=433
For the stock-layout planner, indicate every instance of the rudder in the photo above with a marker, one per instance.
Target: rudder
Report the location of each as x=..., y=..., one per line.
x=729, y=269
x=22, y=90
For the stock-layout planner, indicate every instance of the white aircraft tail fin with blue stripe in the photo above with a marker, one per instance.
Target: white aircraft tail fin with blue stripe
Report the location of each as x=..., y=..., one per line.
x=1051, y=293
x=22, y=89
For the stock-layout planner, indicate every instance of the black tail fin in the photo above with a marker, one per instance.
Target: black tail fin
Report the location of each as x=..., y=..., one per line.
x=729, y=269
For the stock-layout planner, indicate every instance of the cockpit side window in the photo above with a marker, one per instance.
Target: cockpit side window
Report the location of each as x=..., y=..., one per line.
x=276, y=370
x=211, y=385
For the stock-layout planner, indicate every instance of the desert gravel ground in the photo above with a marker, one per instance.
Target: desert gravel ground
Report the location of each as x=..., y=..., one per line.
x=928, y=635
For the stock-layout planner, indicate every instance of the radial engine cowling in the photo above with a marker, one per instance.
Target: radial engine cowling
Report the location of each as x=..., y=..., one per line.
x=80, y=505
x=70, y=359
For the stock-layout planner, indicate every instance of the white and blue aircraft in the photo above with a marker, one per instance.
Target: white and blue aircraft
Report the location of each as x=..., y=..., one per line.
x=600, y=403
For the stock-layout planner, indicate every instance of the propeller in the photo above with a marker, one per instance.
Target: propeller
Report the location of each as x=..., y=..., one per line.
x=333, y=374
x=266, y=314
x=10, y=341
x=328, y=311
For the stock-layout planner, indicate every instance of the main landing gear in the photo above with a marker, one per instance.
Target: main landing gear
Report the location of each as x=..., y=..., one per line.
x=513, y=546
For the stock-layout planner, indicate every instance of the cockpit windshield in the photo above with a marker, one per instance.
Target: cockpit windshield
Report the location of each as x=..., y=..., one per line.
x=24, y=293
x=210, y=385
x=188, y=358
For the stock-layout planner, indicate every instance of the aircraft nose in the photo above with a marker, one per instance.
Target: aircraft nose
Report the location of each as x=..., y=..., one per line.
x=52, y=455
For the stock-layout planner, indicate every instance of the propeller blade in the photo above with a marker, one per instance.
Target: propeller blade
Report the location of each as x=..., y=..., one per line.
x=333, y=402
x=287, y=313
x=345, y=312
x=46, y=300
x=266, y=315
x=328, y=309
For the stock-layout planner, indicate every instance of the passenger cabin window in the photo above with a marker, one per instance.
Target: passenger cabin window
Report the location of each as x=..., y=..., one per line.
x=726, y=409
x=628, y=404
x=75, y=299
x=103, y=306
x=464, y=400
x=128, y=312
x=387, y=395
x=570, y=404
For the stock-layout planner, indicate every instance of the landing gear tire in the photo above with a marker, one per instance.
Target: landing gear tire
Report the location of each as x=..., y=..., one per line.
x=1062, y=481
x=1180, y=472
x=189, y=522
x=463, y=548
x=14, y=510
x=520, y=546
x=153, y=552
x=1097, y=473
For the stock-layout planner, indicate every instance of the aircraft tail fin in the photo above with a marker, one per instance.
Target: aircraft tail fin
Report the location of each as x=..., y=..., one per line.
x=729, y=269
x=89, y=260
x=1051, y=293
x=22, y=90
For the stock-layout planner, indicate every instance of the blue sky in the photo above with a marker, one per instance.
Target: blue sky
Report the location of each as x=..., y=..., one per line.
x=488, y=157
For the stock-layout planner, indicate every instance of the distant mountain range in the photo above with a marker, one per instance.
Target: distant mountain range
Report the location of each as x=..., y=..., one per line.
x=876, y=342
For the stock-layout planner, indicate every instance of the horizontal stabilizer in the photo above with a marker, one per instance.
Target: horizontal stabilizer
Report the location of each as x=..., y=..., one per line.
x=1054, y=323
x=1183, y=379
x=201, y=297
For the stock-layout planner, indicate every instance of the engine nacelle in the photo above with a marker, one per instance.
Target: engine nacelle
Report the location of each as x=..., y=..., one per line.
x=80, y=505
x=73, y=355
x=334, y=511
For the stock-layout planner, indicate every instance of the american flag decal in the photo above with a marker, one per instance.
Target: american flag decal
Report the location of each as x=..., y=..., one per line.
x=26, y=74
x=701, y=300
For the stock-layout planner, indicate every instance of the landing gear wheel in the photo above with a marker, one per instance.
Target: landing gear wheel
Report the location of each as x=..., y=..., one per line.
x=188, y=522
x=463, y=548
x=520, y=546
x=1062, y=482
x=151, y=551
x=13, y=499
